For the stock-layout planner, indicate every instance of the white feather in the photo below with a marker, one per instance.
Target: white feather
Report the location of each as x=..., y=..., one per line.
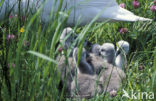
x=81, y=10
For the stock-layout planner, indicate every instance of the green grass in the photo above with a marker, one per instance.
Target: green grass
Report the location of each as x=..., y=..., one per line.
x=35, y=77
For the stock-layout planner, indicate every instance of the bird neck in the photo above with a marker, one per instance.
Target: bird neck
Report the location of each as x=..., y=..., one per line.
x=85, y=67
x=110, y=59
x=120, y=61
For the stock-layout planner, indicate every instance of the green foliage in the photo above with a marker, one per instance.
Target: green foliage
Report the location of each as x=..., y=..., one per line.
x=25, y=77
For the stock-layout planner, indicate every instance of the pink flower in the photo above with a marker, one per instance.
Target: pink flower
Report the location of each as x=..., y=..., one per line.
x=10, y=36
x=123, y=30
x=60, y=50
x=10, y=16
x=13, y=65
x=113, y=93
x=141, y=67
x=136, y=4
x=153, y=8
x=122, y=5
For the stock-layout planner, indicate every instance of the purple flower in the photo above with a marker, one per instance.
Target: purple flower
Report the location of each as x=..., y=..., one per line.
x=122, y=5
x=13, y=65
x=153, y=8
x=10, y=16
x=10, y=36
x=60, y=50
x=141, y=67
x=113, y=93
x=123, y=30
x=136, y=4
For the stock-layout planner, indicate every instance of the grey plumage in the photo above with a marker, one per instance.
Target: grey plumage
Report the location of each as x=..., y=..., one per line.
x=94, y=74
x=97, y=62
x=85, y=83
x=67, y=37
x=112, y=78
x=84, y=66
x=121, y=52
x=107, y=51
x=106, y=55
x=69, y=69
x=110, y=75
x=95, y=49
x=86, y=86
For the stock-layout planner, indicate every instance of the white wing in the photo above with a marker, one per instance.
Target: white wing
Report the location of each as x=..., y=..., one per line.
x=88, y=9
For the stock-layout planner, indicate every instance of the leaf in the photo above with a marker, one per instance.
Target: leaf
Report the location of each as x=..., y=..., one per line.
x=1, y=2
x=42, y=56
x=154, y=74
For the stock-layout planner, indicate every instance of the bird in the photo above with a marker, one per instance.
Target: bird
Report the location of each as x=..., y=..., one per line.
x=110, y=75
x=86, y=86
x=69, y=69
x=67, y=37
x=107, y=52
x=95, y=48
x=112, y=78
x=66, y=70
x=100, y=56
x=84, y=66
x=121, y=52
x=82, y=12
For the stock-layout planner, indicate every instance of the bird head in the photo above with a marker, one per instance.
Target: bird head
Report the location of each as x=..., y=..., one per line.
x=95, y=49
x=67, y=37
x=122, y=47
x=107, y=51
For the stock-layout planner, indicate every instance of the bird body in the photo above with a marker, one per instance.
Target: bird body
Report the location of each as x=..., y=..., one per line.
x=112, y=78
x=97, y=62
x=121, y=61
x=121, y=52
x=83, y=66
x=82, y=11
x=67, y=71
x=101, y=56
x=104, y=65
x=86, y=86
